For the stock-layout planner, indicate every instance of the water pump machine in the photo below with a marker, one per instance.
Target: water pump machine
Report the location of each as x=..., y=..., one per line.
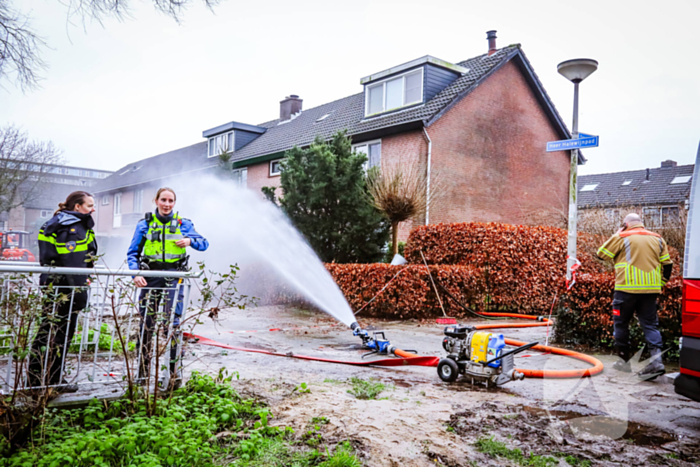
x=479, y=356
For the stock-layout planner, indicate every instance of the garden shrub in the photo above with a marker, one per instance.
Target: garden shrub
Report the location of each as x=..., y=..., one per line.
x=410, y=294
x=181, y=433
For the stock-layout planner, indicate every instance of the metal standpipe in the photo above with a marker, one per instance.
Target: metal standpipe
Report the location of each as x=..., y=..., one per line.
x=94, y=354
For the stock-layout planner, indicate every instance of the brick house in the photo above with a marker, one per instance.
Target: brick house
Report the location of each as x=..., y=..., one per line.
x=481, y=125
x=660, y=194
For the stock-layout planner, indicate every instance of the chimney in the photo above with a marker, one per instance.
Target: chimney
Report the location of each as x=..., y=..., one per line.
x=289, y=106
x=669, y=163
x=491, y=36
x=648, y=173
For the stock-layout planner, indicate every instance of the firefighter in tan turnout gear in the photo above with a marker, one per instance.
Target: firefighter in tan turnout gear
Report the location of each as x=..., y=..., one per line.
x=642, y=268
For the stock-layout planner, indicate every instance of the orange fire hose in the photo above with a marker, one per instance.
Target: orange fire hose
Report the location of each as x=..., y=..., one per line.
x=558, y=374
x=433, y=361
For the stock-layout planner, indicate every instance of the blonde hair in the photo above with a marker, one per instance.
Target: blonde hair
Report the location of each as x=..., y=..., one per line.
x=161, y=190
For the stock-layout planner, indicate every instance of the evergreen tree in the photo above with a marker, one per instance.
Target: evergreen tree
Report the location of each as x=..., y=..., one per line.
x=325, y=196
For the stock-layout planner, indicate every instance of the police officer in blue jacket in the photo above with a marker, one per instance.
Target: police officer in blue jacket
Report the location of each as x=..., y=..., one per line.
x=160, y=243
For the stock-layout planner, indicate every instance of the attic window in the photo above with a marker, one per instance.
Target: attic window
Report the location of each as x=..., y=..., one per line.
x=221, y=143
x=626, y=182
x=323, y=117
x=589, y=187
x=681, y=179
x=393, y=93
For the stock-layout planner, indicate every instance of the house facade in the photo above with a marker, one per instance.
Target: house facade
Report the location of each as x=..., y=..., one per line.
x=660, y=194
x=479, y=127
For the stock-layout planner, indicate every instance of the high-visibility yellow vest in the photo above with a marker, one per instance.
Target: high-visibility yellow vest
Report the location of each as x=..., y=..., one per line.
x=160, y=241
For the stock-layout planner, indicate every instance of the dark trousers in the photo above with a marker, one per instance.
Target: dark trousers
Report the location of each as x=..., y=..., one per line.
x=625, y=305
x=149, y=303
x=58, y=322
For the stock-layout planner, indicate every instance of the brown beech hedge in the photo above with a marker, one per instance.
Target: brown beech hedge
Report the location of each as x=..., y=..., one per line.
x=501, y=267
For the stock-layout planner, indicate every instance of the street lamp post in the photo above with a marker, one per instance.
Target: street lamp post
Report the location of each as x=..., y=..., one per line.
x=575, y=71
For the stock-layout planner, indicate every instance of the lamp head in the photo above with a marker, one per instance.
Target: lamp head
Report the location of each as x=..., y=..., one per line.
x=578, y=69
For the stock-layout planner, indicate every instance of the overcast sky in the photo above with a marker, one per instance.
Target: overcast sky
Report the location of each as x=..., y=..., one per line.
x=122, y=91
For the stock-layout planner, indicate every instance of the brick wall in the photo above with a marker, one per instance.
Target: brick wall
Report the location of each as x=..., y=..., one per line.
x=489, y=156
x=259, y=176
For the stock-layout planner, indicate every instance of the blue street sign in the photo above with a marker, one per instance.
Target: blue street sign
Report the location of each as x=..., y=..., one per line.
x=583, y=141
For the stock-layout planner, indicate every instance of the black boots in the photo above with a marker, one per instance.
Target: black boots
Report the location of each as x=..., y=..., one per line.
x=654, y=369
x=622, y=363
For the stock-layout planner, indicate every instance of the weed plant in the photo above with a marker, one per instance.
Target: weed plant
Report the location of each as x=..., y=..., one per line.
x=499, y=450
x=366, y=390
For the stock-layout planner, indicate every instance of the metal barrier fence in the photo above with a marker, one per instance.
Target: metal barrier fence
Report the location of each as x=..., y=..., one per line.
x=61, y=335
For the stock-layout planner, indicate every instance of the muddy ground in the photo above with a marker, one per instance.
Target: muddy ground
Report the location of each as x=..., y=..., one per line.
x=420, y=420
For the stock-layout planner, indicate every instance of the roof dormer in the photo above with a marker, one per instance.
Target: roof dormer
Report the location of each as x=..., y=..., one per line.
x=410, y=84
x=230, y=137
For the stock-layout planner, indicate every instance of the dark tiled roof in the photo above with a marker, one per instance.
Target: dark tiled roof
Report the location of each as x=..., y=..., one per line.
x=344, y=114
x=157, y=167
x=348, y=113
x=658, y=190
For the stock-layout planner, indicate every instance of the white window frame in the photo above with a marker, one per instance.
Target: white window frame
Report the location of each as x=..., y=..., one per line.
x=242, y=173
x=589, y=187
x=368, y=144
x=383, y=84
x=218, y=139
x=44, y=214
x=117, y=210
x=679, y=179
x=138, y=200
x=279, y=172
x=105, y=200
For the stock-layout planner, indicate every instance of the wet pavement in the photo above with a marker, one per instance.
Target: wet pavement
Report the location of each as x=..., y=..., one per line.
x=420, y=420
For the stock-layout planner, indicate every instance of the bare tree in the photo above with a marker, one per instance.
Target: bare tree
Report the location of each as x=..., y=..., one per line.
x=400, y=191
x=24, y=166
x=20, y=45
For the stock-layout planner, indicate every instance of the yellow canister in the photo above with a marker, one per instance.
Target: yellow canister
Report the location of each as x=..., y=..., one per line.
x=479, y=346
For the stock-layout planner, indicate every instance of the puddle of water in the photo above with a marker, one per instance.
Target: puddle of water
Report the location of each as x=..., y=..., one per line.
x=600, y=425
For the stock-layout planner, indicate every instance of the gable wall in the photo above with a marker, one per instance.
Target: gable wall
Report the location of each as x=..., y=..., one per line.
x=489, y=150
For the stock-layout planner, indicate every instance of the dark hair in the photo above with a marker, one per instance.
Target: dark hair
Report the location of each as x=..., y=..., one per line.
x=77, y=197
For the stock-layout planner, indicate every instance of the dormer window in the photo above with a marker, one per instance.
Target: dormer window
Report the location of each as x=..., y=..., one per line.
x=394, y=93
x=221, y=143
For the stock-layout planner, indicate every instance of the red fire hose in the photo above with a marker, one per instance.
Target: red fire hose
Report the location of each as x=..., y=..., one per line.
x=407, y=358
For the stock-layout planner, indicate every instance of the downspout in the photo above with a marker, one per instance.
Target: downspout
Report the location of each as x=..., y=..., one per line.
x=427, y=184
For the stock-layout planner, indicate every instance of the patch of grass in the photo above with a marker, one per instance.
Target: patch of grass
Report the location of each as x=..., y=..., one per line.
x=498, y=449
x=366, y=389
x=510, y=416
x=671, y=455
x=342, y=457
x=320, y=420
x=332, y=381
x=576, y=462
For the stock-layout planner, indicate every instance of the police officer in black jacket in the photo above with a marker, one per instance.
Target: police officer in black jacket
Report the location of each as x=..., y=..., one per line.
x=66, y=240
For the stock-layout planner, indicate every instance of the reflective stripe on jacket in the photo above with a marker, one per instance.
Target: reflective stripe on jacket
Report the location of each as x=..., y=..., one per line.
x=136, y=248
x=160, y=241
x=638, y=255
